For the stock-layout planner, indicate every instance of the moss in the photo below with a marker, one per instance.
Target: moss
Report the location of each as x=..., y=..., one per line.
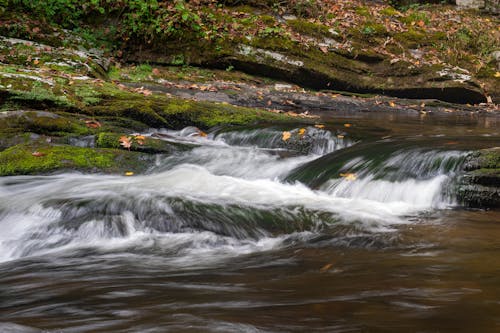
x=19, y=159
x=389, y=11
x=490, y=158
x=363, y=11
x=412, y=38
x=87, y=94
x=309, y=28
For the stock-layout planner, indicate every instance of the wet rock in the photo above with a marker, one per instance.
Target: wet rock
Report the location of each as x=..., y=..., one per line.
x=480, y=185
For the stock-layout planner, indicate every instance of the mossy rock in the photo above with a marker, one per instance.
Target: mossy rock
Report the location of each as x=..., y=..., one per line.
x=25, y=159
x=147, y=145
x=163, y=112
x=480, y=185
x=40, y=122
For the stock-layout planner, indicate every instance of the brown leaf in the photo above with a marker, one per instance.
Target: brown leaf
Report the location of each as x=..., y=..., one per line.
x=349, y=176
x=347, y=125
x=324, y=49
x=156, y=71
x=92, y=124
x=326, y=268
x=302, y=132
x=37, y=154
x=319, y=126
x=392, y=104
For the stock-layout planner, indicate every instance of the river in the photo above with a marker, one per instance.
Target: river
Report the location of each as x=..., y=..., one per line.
x=343, y=228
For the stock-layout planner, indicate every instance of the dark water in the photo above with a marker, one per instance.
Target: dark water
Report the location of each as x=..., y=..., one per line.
x=220, y=238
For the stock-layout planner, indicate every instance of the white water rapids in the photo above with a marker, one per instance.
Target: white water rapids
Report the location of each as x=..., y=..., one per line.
x=224, y=197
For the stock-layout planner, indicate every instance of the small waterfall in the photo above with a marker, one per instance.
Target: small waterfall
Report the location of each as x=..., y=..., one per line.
x=240, y=191
x=386, y=172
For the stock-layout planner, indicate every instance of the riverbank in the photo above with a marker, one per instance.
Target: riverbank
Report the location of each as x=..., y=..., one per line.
x=71, y=101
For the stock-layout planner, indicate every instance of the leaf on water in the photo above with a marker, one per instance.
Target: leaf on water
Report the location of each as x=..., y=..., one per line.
x=319, y=126
x=37, y=154
x=129, y=173
x=302, y=132
x=392, y=104
x=347, y=125
x=202, y=134
x=125, y=142
x=286, y=135
x=92, y=124
x=326, y=268
x=340, y=136
x=349, y=176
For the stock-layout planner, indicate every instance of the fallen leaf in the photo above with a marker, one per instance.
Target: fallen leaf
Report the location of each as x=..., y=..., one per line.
x=129, y=173
x=421, y=23
x=340, y=136
x=349, y=176
x=497, y=74
x=319, y=126
x=156, y=71
x=324, y=49
x=347, y=125
x=92, y=124
x=202, y=134
x=392, y=104
x=326, y=268
x=286, y=135
x=125, y=142
x=302, y=132
x=37, y=154
x=36, y=62
x=140, y=139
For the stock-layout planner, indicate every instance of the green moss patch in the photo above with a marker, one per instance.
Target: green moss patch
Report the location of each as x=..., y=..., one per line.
x=27, y=159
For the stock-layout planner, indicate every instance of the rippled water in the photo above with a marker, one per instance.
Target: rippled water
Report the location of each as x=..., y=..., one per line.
x=340, y=231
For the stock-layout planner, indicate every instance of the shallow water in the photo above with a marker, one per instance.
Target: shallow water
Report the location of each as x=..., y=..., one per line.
x=242, y=234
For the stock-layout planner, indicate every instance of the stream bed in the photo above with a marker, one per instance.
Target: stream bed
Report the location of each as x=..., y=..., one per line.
x=351, y=226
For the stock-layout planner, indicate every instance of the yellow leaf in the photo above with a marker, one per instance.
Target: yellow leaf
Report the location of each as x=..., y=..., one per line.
x=340, y=136
x=392, y=104
x=497, y=74
x=348, y=176
x=319, y=126
x=347, y=125
x=129, y=173
x=302, y=131
x=286, y=135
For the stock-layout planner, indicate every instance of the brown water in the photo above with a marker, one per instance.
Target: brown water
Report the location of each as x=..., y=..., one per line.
x=201, y=245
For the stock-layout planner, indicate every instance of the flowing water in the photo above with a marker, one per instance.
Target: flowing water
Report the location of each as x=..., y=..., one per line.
x=346, y=228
